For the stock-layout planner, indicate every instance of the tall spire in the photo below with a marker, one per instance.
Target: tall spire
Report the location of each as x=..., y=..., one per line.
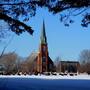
x=43, y=35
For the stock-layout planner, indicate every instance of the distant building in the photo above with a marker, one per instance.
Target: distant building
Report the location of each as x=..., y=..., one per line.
x=2, y=69
x=41, y=62
x=69, y=66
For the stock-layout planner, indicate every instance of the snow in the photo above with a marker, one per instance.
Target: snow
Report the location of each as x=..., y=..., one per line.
x=51, y=77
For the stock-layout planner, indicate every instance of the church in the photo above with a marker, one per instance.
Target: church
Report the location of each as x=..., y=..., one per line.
x=41, y=60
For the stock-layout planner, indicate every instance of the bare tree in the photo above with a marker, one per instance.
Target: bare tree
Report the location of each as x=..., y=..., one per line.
x=57, y=64
x=84, y=56
x=24, y=67
x=31, y=60
x=29, y=65
x=5, y=47
x=84, y=59
x=9, y=61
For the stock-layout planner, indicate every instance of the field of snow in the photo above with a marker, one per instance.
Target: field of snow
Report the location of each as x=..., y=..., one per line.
x=81, y=76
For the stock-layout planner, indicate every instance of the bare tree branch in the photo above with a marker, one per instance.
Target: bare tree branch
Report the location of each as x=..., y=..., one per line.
x=2, y=53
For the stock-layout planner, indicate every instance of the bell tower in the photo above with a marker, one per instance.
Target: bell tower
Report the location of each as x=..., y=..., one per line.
x=42, y=64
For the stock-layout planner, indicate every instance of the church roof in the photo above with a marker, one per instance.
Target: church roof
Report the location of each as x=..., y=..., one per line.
x=33, y=56
x=43, y=35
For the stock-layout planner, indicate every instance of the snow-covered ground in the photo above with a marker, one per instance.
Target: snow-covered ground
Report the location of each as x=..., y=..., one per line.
x=80, y=76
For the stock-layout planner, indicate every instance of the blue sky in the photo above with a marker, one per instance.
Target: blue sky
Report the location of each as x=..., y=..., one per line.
x=66, y=42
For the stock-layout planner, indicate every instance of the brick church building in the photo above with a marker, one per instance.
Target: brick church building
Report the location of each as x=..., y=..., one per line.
x=41, y=62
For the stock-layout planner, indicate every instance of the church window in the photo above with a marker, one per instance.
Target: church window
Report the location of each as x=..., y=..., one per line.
x=44, y=59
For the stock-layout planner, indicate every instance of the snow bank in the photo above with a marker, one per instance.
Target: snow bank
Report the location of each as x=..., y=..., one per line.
x=51, y=77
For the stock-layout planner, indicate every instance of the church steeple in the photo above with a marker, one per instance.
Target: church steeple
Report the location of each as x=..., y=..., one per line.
x=43, y=60
x=43, y=35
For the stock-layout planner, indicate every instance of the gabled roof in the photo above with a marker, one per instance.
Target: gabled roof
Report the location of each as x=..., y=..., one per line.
x=32, y=57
